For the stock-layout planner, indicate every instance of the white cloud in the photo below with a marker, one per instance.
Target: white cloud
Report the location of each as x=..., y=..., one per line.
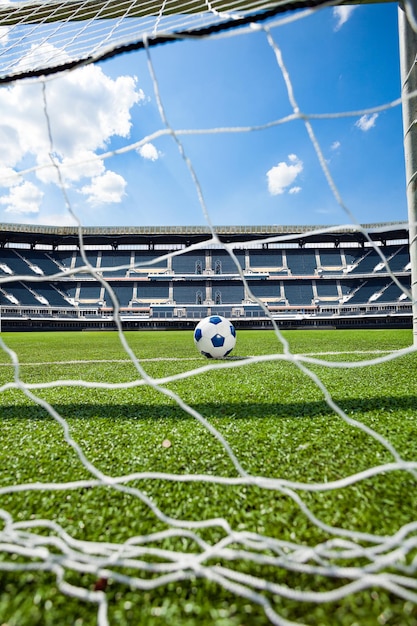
x=72, y=169
x=86, y=109
x=9, y=141
x=41, y=55
x=108, y=188
x=283, y=175
x=24, y=198
x=294, y=190
x=4, y=35
x=8, y=176
x=342, y=15
x=366, y=122
x=335, y=146
x=148, y=151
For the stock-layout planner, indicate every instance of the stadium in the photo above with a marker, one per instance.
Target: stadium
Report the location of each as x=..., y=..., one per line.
x=302, y=277
x=165, y=165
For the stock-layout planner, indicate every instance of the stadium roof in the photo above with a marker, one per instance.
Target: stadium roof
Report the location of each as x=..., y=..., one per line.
x=151, y=236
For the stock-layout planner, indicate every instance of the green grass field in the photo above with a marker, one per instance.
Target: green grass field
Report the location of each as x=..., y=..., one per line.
x=270, y=550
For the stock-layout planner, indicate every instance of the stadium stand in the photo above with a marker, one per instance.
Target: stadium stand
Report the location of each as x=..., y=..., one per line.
x=189, y=263
x=299, y=293
x=114, y=263
x=301, y=263
x=300, y=279
x=268, y=260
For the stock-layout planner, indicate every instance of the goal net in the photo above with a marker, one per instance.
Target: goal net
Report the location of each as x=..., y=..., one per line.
x=276, y=486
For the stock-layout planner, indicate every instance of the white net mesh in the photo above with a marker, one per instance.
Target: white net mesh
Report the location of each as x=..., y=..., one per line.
x=88, y=31
x=286, y=549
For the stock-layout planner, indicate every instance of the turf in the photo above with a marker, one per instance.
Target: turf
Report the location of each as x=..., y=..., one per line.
x=273, y=416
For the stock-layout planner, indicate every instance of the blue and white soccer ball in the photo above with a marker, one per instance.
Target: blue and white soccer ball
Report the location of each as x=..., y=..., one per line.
x=215, y=337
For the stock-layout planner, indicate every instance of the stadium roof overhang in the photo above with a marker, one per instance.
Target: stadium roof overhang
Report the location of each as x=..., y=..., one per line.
x=54, y=236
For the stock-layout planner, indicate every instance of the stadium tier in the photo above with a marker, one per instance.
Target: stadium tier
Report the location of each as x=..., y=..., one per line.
x=298, y=276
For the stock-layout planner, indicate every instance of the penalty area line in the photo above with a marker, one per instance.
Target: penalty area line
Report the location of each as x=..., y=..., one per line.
x=161, y=358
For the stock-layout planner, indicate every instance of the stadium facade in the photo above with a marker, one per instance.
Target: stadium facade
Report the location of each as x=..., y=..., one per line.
x=170, y=277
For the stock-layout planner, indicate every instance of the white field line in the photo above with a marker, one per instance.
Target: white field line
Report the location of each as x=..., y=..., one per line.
x=152, y=359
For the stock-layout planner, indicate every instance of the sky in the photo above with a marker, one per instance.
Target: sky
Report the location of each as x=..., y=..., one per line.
x=258, y=168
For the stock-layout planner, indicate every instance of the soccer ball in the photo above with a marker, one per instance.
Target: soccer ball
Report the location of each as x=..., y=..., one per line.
x=215, y=337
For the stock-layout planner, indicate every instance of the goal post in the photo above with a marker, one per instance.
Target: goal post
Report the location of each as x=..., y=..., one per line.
x=408, y=54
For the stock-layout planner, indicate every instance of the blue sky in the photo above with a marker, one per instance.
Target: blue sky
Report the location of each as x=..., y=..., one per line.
x=339, y=60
